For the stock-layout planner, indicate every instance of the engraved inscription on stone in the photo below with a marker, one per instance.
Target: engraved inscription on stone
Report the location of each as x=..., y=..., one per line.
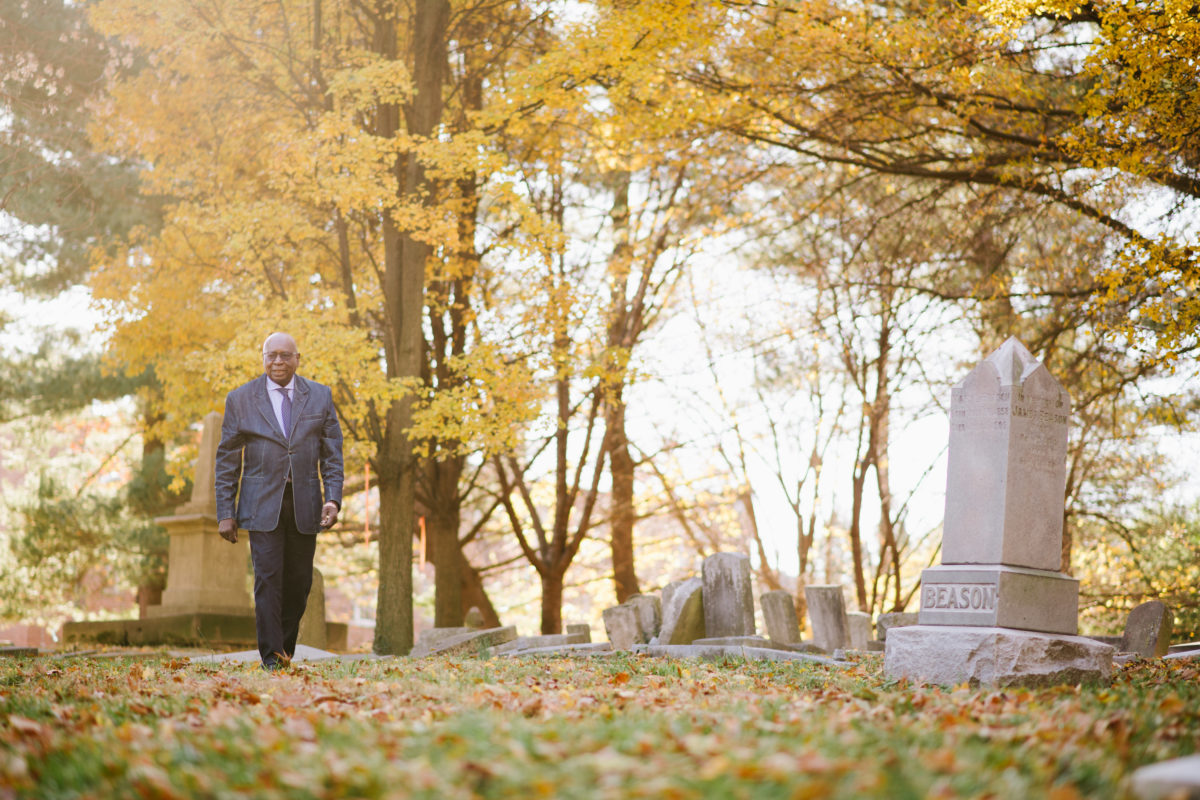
x=960, y=597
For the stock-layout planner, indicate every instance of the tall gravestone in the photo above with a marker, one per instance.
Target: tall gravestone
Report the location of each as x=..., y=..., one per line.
x=998, y=610
x=779, y=614
x=827, y=614
x=727, y=595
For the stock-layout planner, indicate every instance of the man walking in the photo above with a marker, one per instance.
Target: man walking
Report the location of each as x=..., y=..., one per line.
x=280, y=444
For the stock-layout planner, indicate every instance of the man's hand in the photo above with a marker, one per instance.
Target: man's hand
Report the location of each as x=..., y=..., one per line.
x=329, y=514
x=228, y=530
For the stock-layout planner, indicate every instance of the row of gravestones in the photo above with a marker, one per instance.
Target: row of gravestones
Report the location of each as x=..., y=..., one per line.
x=717, y=608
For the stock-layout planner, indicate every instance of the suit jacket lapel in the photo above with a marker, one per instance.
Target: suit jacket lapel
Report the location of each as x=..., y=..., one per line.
x=262, y=401
x=299, y=398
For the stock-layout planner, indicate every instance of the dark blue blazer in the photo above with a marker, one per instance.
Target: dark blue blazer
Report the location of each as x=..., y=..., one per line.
x=254, y=456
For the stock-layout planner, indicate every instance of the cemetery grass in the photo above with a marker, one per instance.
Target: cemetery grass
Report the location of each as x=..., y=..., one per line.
x=617, y=726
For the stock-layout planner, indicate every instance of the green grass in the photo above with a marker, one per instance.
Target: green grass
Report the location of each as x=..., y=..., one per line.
x=624, y=726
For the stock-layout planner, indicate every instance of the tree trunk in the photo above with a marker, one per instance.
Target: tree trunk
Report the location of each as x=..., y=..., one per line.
x=880, y=411
x=393, y=610
x=804, y=543
x=622, y=517
x=552, y=598
x=855, y=532
x=766, y=572
x=442, y=528
x=404, y=298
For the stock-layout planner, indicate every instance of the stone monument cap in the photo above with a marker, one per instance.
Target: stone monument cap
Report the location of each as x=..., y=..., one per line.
x=204, y=481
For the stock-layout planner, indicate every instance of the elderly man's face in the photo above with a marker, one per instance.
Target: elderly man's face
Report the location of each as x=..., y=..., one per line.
x=280, y=358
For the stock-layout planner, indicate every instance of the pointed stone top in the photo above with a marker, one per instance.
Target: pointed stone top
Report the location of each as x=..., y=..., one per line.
x=1013, y=362
x=1013, y=368
x=204, y=498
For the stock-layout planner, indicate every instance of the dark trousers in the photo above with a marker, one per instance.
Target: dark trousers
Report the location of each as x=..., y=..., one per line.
x=283, y=570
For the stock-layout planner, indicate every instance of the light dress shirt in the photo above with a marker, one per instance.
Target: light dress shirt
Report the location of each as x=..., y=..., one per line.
x=277, y=400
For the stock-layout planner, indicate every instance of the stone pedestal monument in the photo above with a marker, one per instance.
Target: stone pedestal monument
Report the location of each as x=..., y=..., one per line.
x=998, y=610
x=205, y=573
x=206, y=600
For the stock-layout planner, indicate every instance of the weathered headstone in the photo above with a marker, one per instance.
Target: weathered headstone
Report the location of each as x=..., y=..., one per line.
x=648, y=608
x=893, y=619
x=728, y=597
x=1148, y=629
x=473, y=618
x=312, y=624
x=779, y=613
x=580, y=629
x=827, y=617
x=858, y=625
x=430, y=638
x=998, y=610
x=623, y=627
x=544, y=642
x=683, y=612
x=474, y=642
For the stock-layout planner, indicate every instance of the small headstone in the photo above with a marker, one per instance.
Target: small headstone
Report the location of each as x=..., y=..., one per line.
x=1177, y=779
x=585, y=649
x=473, y=618
x=728, y=597
x=18, y=652
x=649, y=611
x=580, y=629
x=827, y=616
x=893, y=619
x=735, y=641
x=859, y=628
x=622, y=626
x=312, y=624
x=683, y=612
x=722, y=652
x=430, y=638
x=779, y=612
x=544, y=642
x=475, y=642
x=1148, y=630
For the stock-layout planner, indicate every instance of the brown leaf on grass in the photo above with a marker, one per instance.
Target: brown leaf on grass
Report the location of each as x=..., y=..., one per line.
x=1171, y=704
x=943, y=760
x=29, y=727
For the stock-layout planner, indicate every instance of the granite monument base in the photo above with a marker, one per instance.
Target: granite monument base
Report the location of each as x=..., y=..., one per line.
x=953, y=654
x=196, y=629
x=184, y=630
x=986, y=595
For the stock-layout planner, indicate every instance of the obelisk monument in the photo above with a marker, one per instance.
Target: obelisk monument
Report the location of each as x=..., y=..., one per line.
x=999, y=610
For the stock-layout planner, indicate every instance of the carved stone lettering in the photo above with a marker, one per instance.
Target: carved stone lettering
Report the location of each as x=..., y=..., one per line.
x=960, y=597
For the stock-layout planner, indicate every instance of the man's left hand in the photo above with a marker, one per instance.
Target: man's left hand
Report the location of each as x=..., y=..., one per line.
x=329, y=515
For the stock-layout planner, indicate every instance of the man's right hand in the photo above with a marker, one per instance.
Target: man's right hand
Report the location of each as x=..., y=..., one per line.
x=228, y=530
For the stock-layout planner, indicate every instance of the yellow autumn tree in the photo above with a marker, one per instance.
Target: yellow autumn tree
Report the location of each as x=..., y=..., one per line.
x=1089, y=108
x=314, y=180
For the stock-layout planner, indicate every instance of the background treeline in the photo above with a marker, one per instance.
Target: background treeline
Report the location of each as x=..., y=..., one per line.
x=601, y=288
